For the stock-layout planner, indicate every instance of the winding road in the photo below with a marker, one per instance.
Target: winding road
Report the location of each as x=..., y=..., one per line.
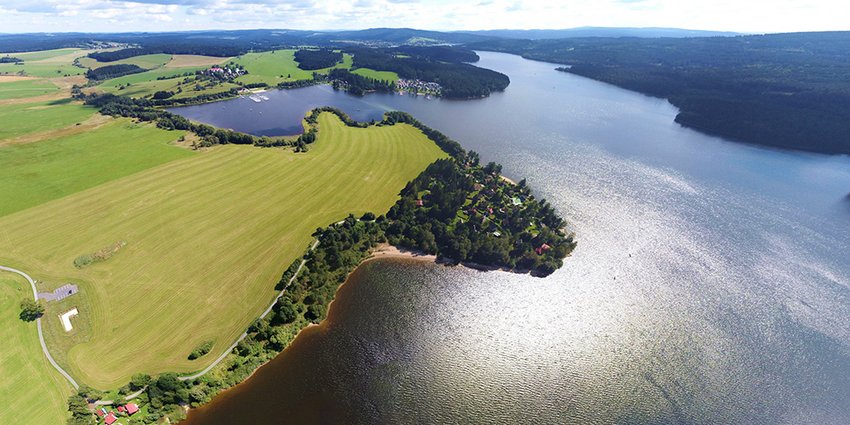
x=40, y=332
x=245, y=334
x=182, y=378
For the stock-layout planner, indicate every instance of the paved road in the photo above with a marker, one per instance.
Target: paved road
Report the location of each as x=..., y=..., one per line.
x=245, y=334
x=40, y=333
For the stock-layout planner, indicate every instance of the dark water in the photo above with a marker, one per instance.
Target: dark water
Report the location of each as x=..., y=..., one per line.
x=711, y=283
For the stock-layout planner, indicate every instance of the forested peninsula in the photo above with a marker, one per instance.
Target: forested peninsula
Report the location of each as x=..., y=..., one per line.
x=781, y=90
x=457, y=209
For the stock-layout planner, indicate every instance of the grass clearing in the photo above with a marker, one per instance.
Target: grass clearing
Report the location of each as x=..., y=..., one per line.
x=31, y=391
x=207, y=239
x=34, y=173
x=26, y=88
x=20, y=119
x=378, y=75
x=275, y=67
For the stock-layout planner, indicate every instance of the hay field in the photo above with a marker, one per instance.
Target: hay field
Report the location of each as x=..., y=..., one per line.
x=207, y=239
x=31, y=391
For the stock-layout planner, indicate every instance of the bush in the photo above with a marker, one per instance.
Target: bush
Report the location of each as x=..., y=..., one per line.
x=201, y=350
x=31, y=310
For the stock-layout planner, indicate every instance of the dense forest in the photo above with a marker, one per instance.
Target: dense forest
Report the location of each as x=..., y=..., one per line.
x=357, y=84
x=10, y=59
x=113, y=71
x=458, y=80
x=310, y=59
x=782, y=90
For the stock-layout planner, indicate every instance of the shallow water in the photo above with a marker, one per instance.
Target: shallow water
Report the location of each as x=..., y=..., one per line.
x=711, y=283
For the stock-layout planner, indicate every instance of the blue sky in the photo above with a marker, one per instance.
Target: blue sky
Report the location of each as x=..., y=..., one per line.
x=161, y=15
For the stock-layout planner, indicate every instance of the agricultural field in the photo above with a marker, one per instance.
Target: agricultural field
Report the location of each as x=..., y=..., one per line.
x=18, y=89
x=31, y=391
x=23, y=118
x=143, y=61
x=183, y=61
x=48, y=63
x=34, y=173
x=207, y=238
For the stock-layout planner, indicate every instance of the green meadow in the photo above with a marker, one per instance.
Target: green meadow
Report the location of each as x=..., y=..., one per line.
x=48, y=63
x=31, y=391
x=278, y=66
x=23, y=118
x=34, y=173
x=143, y=61
x=207, y=236
x=26, y=88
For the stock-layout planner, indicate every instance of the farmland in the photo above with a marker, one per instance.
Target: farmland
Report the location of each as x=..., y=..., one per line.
x=31, y=391
x=378, y=75
x=25, y=88
x=143, y=61
x=49, y=63
x=207, y=238
x=34, y=173
x=20, y=119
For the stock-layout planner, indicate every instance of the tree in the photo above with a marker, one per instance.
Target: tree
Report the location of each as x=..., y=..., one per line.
x=80, y=414
x=139, y=381
x=31, y=310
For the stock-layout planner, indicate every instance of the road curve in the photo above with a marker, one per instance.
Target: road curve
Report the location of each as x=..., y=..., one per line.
x=40, y=333
x=245, y=334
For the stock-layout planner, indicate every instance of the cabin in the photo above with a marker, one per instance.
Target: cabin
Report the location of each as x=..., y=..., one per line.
x=543, y=248
x=100, y=412
x=110, y=418
x=132, y=408
x=120, y=409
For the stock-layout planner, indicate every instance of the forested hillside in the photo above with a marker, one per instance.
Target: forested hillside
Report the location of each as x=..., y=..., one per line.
x=783, y=90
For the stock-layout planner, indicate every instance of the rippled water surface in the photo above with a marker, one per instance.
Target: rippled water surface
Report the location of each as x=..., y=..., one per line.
x=711, y=283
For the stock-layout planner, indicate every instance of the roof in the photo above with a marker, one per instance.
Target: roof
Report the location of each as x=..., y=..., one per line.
x=132, y=408
x=110, y=418
x=100, y=412
x=120, y=408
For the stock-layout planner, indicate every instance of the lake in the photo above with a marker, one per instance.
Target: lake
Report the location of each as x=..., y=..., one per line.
x=711, y=282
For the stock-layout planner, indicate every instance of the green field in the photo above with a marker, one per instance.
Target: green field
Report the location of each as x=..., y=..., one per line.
x=34, y=173
x=378, y=75
x=143, y=61
x=20, y=119
x=278, y=66
x=146, y=83
x=48, y=63
x=31, y=391
x=207, y=238
x=25, y=88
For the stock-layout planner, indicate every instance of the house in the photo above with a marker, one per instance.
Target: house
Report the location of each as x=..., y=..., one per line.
x=543, y=248
x=132, y=408
x=419, y=203
x=120, y=409
x=110, y=418
x=100, y=412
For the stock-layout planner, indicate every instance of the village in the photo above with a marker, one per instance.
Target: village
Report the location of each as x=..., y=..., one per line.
x=110, y=417
x=419, y=87
x=225, y=73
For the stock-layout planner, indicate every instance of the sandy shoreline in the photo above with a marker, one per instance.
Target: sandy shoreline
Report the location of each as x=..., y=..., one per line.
x=389, y=251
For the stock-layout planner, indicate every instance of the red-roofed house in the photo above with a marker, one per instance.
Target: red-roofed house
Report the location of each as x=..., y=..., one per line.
x=110, y=419
x=120, y=409
x=100, y=412
x=131, y=408
x=543, y=248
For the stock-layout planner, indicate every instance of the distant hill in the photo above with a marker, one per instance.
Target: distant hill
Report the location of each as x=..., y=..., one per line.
x=600, y=32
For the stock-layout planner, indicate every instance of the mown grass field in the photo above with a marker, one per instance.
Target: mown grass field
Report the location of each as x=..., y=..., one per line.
x=207, y=239
x=31, y=391
x=34, y=173
x=48, y=63
x=25, y=88
x=20, y=119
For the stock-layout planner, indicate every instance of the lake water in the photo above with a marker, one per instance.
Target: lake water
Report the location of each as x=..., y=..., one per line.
x=711, y=283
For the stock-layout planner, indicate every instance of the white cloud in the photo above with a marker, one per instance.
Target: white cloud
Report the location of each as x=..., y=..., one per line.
x=152, y=15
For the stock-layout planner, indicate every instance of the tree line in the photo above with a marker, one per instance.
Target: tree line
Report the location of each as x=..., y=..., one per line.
x=311, y=59
x=343, y=79
x=113, y=71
